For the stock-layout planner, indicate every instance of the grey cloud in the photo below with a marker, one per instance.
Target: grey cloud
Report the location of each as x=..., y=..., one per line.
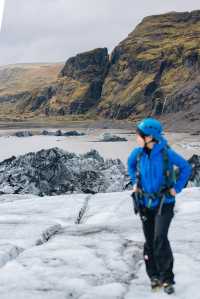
x=53, y=30
x=1, y=11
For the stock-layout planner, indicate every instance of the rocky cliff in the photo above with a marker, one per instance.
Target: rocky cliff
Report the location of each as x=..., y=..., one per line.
x=77, y=89
x=156, y=69
x=80, y=82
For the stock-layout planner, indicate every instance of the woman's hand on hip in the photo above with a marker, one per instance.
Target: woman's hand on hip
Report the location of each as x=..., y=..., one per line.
x=172, y=191
x=135, y=188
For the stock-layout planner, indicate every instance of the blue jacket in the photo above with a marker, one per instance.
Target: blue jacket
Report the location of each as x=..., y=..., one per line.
x=151, y=170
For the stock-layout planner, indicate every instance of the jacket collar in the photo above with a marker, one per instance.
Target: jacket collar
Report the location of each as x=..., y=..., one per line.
x=158, y=146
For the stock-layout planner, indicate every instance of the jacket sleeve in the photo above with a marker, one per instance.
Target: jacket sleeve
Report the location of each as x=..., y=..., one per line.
x=185, y=169
x=132, y=164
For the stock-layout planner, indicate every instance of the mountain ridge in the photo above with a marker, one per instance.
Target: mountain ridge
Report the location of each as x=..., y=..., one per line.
x=155, y=70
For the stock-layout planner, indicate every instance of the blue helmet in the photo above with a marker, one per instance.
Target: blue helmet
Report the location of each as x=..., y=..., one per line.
x=150, y=127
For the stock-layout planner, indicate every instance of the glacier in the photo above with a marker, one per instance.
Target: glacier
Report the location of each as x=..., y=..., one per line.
x=90, y=246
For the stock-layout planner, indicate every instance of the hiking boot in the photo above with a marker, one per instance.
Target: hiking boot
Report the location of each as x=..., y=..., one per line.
x=168, y=288
x=155, y=284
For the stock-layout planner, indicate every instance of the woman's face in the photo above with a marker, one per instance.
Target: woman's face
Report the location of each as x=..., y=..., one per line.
x=141, y=141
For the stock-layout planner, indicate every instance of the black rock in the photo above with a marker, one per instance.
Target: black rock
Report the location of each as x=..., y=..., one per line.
x=23, y=133
x=107, y=137
x=55, y=171
x=45, y=132
x=73, y=133
x=58, y=133
x=195, y=177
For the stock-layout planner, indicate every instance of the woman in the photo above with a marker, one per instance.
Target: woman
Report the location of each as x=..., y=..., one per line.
x=150, y=167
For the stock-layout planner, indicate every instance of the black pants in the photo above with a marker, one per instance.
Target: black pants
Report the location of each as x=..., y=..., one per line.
x=158, y=255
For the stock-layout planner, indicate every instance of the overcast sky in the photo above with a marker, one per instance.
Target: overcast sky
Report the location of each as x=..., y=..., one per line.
x=1, y=11
x=54, y=30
